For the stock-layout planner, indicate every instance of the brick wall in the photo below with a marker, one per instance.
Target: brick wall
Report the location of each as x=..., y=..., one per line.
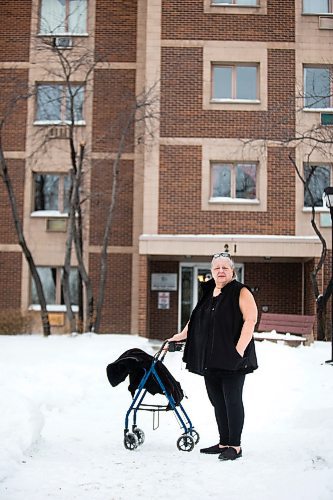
x=116, y=30
x=273, y=281
x=10, y=272
x=280, y=286
x=181, y=100
x=310, y=303
x=13, y=108
x=328, y=273
x=15, y=17
x=114, y=92
x=116, y=317
x=186, y=20
x=7, y=228
x=163, y=323
x=180, y=193
x=101, y=187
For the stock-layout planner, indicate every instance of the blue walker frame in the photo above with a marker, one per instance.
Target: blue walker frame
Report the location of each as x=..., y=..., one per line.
x=132, y=440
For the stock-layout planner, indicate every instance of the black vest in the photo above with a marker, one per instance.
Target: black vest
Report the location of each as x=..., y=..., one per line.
x=214, y=329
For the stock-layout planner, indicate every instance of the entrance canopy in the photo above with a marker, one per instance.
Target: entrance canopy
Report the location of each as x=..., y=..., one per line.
x=240, y=245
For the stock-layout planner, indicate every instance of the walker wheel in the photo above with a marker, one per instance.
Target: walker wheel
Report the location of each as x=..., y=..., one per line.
x=131, y=442
x=195, y=436
x=185, y=443
x=140, y=435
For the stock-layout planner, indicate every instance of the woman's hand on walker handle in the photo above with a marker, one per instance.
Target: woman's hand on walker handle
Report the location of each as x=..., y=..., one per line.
x=177, y=337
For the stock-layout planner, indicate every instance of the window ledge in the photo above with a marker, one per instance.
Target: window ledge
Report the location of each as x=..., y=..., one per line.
x=326, y=14
x=63, y=34
x=79, y=123
x=235, y=6
x=52, y=308
x=48, y=213
x=318, y=110
x=234, y=201
x=235, y=101
x=317, y=210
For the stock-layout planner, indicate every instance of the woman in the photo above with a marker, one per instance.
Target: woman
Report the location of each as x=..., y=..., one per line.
x=220, y=346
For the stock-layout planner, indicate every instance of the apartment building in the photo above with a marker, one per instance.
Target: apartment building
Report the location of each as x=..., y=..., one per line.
x=235, y=81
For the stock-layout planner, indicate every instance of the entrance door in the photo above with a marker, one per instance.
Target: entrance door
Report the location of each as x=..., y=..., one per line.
x=191, y=275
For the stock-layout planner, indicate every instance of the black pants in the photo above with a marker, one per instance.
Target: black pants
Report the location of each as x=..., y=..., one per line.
x=225, y=392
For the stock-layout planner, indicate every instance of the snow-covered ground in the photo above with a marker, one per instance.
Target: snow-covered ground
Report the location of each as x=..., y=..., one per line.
x=61, y=427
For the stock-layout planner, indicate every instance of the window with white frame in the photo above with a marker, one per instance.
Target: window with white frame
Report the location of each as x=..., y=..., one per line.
x=235, y=82
x=58, y=103
x=317, y=6
x=233, y=181
x=63, y=17
x=250, y=3
x=318, y=87
x=51, y=192
x=51, y=281
x=317, y=178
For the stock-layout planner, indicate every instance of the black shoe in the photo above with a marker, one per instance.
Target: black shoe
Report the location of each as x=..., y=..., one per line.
x=212, y=450
x=230, y=454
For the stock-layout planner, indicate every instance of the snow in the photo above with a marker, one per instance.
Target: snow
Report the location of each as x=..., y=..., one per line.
x=61, y=426
x=273, y=335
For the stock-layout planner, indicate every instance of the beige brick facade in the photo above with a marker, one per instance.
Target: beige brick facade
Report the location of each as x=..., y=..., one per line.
x=165, y=221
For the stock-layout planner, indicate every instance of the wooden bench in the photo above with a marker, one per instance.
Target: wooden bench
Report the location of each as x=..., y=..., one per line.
x=299, y=326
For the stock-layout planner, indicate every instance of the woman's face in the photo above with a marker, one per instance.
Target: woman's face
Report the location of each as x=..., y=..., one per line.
x=222, y=271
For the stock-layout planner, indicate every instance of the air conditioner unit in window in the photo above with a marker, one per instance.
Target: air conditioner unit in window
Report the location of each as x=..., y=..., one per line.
x=62, y=42
x=325, y=23
x=326, y=118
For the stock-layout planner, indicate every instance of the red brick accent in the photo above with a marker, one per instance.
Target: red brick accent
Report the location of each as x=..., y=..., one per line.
x=181, y=100
x=15, y=17
x=185, y=19
x=7, y=228
x=116, y=317
x=116, y=30
x=101, y=187
x=143, y=296
x=13, y=108
x=180, y=197
x=114, y=93
x=10, y=280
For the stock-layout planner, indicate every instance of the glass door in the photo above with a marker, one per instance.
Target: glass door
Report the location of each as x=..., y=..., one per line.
x=191, y=275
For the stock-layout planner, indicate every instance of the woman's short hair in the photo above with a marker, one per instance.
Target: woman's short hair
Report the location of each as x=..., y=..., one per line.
x=225, y=256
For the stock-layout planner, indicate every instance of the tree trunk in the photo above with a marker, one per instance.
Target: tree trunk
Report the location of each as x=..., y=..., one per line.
x=22, y=242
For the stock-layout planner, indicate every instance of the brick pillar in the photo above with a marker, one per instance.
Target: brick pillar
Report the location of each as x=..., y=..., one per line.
x=143, y=296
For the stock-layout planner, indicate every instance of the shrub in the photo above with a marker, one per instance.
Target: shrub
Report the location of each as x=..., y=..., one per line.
x=12, y=322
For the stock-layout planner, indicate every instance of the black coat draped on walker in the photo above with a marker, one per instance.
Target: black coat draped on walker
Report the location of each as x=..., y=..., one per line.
x=136, y=363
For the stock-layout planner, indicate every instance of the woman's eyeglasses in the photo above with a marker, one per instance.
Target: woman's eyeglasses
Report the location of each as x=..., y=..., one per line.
x=222, y=254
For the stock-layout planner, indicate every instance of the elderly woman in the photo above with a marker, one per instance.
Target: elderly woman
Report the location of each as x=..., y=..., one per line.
x=220, y=346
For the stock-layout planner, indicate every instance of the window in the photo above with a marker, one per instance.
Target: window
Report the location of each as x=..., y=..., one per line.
x=51, y=281
x=317, y=178
x=235, y=82
x=60, y=104
x=317, y=6
x=51, y=192
x=61, y=17
x=318, y=83
x=233, y=181
x=235, y=2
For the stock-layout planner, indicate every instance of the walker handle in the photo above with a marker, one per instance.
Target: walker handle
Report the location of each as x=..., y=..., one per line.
x=172, y=347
